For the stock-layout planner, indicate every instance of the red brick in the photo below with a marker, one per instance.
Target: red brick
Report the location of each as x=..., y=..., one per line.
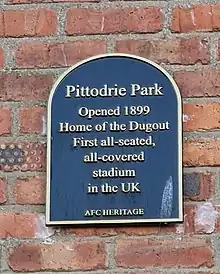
x=83, y=255
x=18, y=23
x=5, y=121
x=205, y=218
x=199, y=186
x=146, y=230
x=131, y=230
x=47, y=1
x=203, y=152
x=43, y=55
x=191, y=224
x=207, y=186
x=216, y=17
x=181, y=252
x=2, y=30
x=88, y=231
x=200, y=117
x=22, y=156
x=199, y=83
x=217, y=224
x=111, y=20
x=175, y=23
x=182, y=20
x=202, y=17
x=189, y=218
x=17, y=225
x=3, y=191
x=16, y=87
x=140, y=231
x=175, y=51
x=2, y=58
x=31, y=119
x=29, y=191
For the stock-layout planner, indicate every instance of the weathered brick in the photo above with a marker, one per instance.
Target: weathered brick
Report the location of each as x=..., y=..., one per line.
x=22, y=156
x=18, y=23
x=131, y=230
x=202, y=17
x=216, y=17
x=203, y=152
x=3, y=191
x=15, y=87
x=189, y=218
x=175, y=21
x=146, y=230
x=181, y=252
x=43, y=55
x=199, y=83
x=5, y=121
x=198, y=186
x=205, y=218
x=29, y=190
x=190, y=224
x=17, y=225
x=84, y=255
x=175, y=51
x=2, y=58
x=200, y=117
x=89, y=231
x=182, y=19
x=32, y=119
x=111, y=20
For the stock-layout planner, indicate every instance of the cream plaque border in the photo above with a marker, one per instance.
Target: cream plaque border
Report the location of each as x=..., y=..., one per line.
x=179, y=102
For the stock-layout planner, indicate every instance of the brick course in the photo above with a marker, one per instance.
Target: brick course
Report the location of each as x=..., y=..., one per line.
x=56, y=54
x=19, y=23
x=140, y=20
x=175, y=51
x=42, y=38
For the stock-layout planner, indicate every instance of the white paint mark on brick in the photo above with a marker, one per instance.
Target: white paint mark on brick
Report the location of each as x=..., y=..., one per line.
x=103, y=23
x=180, y=228
x=41, y=231
x=193, y=17
x=69, y=248
x=44, y=125
x=185, y=118
x=205, y=218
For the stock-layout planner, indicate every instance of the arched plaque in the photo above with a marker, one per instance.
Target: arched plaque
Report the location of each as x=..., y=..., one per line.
x=114, y=149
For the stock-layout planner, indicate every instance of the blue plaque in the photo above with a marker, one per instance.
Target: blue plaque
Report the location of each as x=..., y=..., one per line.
x=114, y=148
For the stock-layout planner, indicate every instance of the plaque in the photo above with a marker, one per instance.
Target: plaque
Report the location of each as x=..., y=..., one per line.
x=114, y=148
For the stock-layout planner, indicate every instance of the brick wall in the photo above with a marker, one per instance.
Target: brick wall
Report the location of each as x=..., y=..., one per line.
x=39, y=39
